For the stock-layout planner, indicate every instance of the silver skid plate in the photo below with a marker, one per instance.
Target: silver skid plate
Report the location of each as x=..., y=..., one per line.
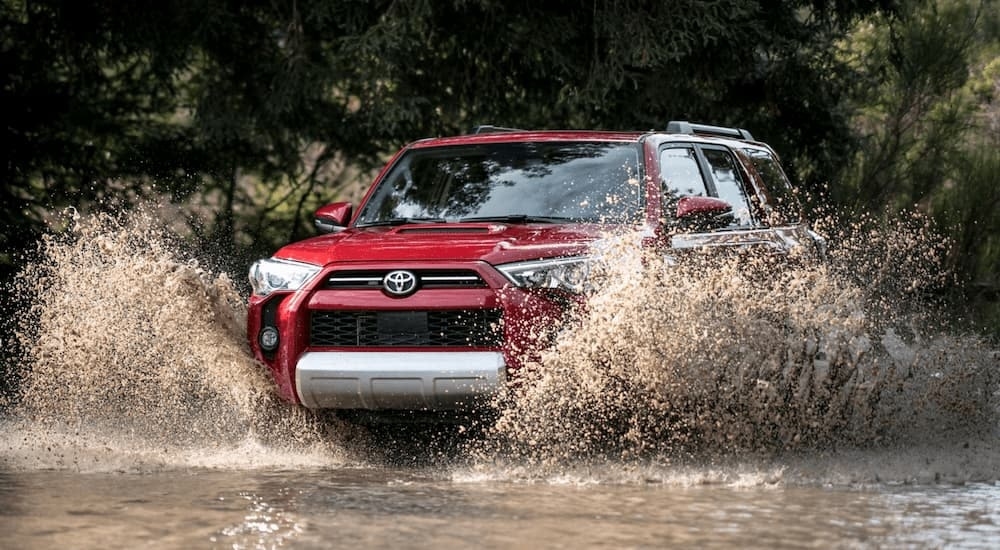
x=411, y=380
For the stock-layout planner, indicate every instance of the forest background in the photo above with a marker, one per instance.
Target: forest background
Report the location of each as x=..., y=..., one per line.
x=240, y=118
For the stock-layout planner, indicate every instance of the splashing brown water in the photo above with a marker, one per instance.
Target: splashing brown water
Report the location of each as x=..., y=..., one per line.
x=136, y=358
x=735, y=355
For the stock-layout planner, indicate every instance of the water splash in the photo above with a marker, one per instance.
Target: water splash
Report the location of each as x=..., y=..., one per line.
x=737, y=370
x=713, y=358
x=137, y=358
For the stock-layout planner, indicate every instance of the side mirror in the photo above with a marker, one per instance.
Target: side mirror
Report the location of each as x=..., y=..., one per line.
x=703, y=213
x=333, y=218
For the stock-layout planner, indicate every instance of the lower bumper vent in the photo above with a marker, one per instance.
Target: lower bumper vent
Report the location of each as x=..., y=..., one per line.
x=449, y=328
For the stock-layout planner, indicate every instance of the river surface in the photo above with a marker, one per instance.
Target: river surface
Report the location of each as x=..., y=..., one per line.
x=355, y=506
x=717, y=405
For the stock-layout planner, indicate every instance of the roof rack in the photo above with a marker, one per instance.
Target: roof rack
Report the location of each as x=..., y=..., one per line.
x=685, y=127
x=486, y=128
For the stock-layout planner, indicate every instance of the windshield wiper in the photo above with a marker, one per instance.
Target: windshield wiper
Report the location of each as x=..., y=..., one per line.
x=401, y=221
x=519, y=218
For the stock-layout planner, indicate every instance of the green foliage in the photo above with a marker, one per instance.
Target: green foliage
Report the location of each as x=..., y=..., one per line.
x=926, y=109
x=617, y=64
x=233, y=104
x=80, y=108
x=911, y=111
x=968, y=206
x=249, y=115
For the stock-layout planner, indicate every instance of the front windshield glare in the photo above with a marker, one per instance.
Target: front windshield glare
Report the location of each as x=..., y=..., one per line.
x=578, y=181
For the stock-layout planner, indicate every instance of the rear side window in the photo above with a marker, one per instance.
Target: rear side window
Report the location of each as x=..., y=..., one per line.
x=782, y=206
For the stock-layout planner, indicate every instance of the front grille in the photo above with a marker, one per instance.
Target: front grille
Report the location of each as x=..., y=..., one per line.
x=436, y=328
x=426, y=278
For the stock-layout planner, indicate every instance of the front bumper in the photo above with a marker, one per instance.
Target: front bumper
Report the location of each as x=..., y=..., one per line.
x=345, y=344
x=410, y=380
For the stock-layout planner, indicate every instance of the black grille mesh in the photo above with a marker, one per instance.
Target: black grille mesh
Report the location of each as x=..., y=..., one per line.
x=458, y=328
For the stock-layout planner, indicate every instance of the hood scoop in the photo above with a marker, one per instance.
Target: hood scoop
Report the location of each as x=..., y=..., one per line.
x=450, y=228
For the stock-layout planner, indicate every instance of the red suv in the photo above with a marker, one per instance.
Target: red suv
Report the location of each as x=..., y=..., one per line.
x=467, y=250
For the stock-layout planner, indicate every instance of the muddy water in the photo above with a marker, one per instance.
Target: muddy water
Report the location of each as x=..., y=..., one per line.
x=706, y=402
x=352, y=507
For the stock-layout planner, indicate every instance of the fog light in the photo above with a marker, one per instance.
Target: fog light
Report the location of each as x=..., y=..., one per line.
x=268, y=339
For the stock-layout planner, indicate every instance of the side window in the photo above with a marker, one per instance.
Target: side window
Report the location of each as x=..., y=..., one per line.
x=681, y=174
x=782, y=205
x=728, y=184
x=704, y=171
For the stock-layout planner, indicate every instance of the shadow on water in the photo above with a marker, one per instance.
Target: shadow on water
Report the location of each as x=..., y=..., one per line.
x=414, y=439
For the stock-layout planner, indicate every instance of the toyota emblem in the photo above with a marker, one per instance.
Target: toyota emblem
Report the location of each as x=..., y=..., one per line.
x=400, y=283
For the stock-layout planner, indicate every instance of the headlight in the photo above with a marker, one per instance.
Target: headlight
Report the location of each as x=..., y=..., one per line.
x=267, y=276
x=568, y=274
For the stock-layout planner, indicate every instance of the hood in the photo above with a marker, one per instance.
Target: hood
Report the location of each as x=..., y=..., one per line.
x=495, y=243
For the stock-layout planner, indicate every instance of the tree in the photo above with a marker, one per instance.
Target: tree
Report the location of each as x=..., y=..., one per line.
x=236, y=103
x=926, y=112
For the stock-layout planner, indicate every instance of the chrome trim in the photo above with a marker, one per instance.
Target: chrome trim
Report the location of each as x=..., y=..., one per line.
x=736, y=237
x=782, y=239
x=377, y=380
x=449, y=278
x=377, y=278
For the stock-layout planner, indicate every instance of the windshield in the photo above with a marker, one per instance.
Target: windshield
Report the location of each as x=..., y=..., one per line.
x=546, y=181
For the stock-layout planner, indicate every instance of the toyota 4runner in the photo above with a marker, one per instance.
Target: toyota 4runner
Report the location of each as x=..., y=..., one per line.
x=432, y=292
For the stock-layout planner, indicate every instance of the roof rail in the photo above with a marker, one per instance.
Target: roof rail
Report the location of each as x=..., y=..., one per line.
x=486, y=128
x=685, y=127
